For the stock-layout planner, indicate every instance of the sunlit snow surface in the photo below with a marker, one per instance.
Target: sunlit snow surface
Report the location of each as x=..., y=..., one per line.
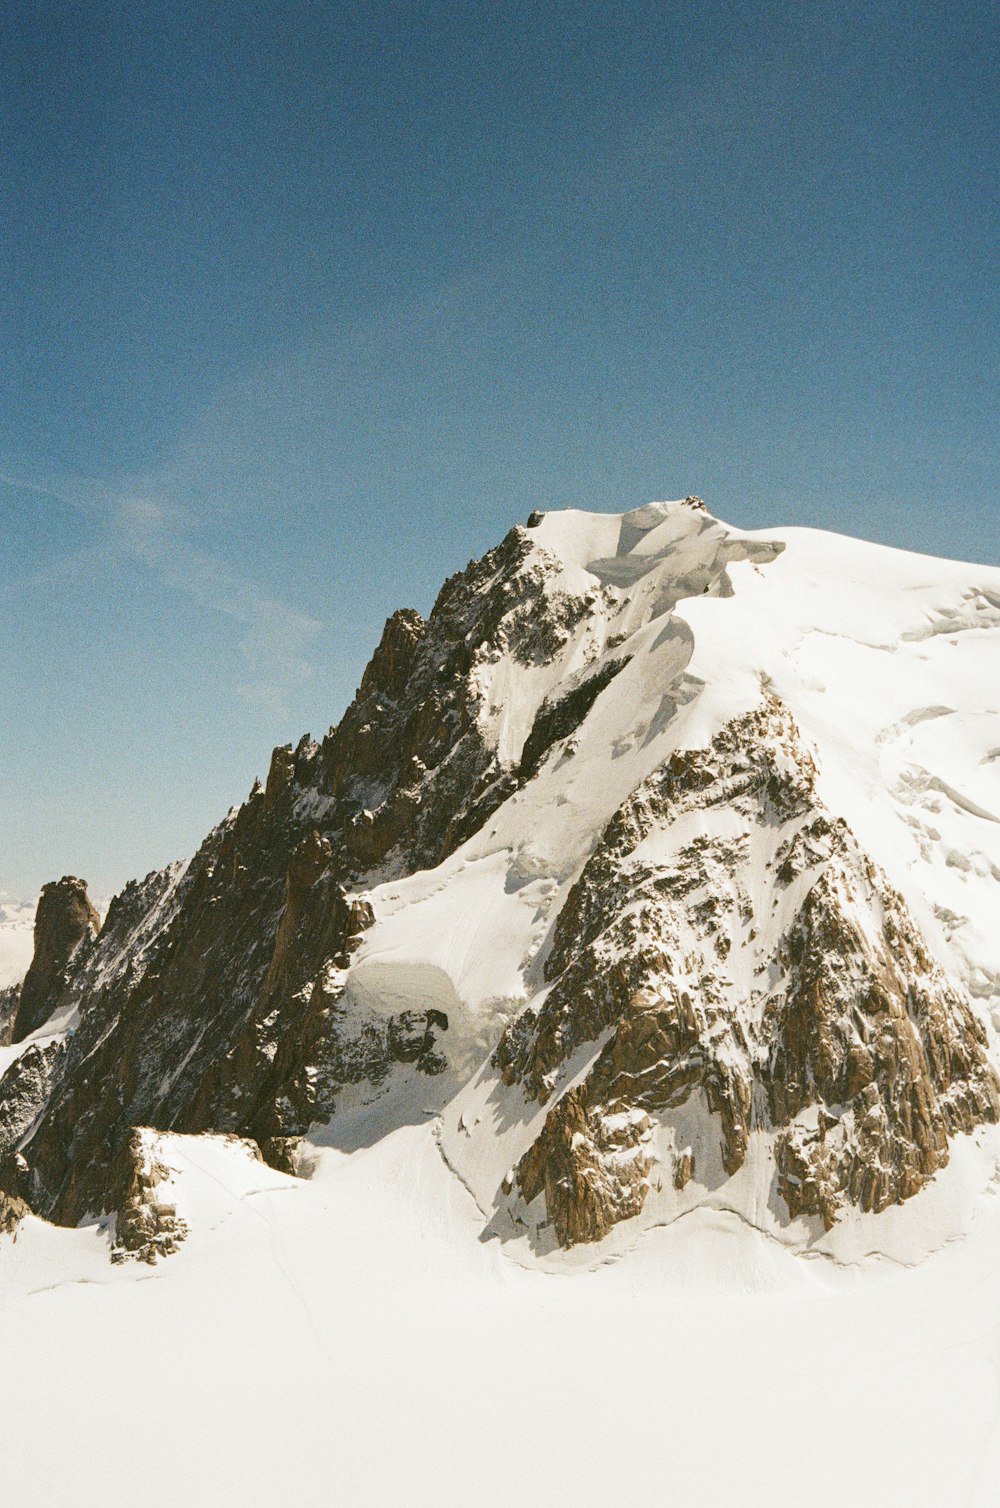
x=355, y=1340
x=351, y=1341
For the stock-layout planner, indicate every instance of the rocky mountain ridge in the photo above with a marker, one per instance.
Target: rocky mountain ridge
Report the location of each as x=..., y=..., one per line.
x=571, y=873
x=834, y=1034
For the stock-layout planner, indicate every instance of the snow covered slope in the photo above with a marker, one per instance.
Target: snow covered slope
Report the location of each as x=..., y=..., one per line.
x=350, y=1340
x=637, y=924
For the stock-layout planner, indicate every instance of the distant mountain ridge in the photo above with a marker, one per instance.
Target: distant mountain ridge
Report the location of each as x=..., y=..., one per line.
x=16, y=922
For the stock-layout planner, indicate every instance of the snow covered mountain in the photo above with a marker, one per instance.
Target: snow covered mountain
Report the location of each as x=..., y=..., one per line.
x=660, y=864
x=641, y=906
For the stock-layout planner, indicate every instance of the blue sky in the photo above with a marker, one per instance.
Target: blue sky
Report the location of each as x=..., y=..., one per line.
x=304, y=305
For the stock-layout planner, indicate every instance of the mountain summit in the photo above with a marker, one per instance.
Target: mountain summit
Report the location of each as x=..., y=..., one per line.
x=654, y=872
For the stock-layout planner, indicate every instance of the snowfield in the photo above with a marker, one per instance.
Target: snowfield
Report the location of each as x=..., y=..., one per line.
x=364, y=1336
x=349, y=1340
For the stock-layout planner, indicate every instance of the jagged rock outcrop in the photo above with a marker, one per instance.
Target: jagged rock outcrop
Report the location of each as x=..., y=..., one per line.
x=64, y=920
x=27, y=1085
x=147, y=1225
x=9, y=998
x=213, y=998
x=809, y=1010
x=592, y=1167
x=410, y=763
x=12, y=1212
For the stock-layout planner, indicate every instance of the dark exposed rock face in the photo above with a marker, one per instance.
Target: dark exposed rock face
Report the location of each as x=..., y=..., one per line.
x=560, y=716
x=27, y=1085
x=9, y=998
x=63, y=920
x=848, y=1043
x=408, y=765
x=213, y=998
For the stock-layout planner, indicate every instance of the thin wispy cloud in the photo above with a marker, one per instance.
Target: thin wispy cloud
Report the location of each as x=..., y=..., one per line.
x=275, y=638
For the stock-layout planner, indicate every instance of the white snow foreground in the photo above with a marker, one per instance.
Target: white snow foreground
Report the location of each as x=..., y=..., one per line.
x=350, y=1340
x=365, y=1336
